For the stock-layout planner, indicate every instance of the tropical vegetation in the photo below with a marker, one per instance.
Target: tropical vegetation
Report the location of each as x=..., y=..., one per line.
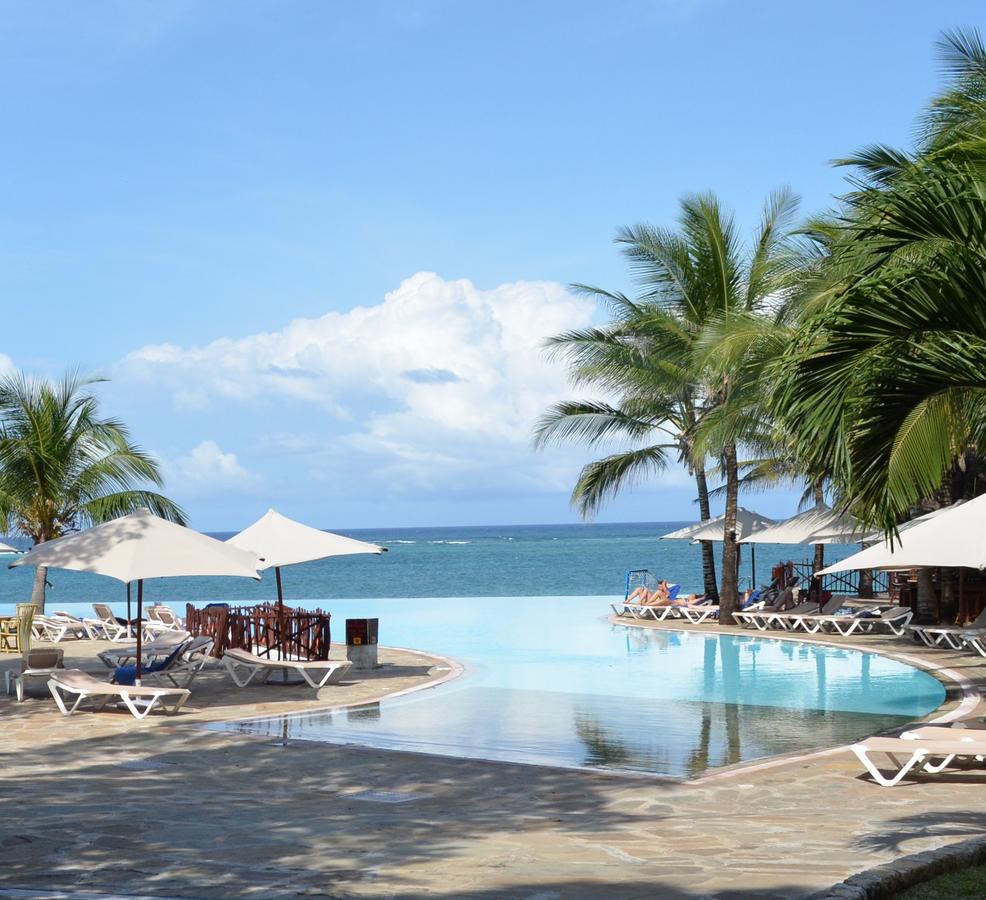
x=63, y=467
x=849, y=355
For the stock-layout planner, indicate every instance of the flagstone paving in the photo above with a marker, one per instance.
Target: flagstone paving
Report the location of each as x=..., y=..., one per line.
x=102, y=803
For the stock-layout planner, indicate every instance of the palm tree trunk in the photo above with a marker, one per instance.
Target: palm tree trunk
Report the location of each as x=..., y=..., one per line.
x=38, y=592
x=729, y=594
x=819, y=562
x=708, y=551
x=926, y=611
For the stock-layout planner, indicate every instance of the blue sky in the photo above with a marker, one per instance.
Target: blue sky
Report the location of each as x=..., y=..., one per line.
x=316, y=245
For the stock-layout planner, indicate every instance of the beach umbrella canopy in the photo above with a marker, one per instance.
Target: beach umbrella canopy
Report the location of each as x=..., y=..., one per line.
x=954, y=536
x=747, y=522
x=6, y=548
x=141, y=546
x=820, y=525
x=280, y=541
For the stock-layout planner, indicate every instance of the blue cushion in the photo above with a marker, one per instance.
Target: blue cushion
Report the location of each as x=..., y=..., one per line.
x=128, y=674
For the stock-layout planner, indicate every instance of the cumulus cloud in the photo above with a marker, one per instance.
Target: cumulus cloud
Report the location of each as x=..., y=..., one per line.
x=207, y=468
x=440, y=380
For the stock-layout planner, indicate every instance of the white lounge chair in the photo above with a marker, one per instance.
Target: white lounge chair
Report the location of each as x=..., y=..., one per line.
x=949, y=636
x=105, y=619
x=754, y=614
x=184, y=662
x=843, y=624
x=697, y=613
x=56, y=628
x=976, y=641
x=35, y=664
x=907, y=752
x=795, y=620
x=868, y=620
x=162, y=645
x=244, y=667
x=139, y=700
x=767, y=619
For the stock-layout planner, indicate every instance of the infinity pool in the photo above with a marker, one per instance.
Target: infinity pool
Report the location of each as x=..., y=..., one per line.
x=549, y=681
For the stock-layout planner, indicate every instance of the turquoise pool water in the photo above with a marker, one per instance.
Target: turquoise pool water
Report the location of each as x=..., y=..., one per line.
x=551, y=682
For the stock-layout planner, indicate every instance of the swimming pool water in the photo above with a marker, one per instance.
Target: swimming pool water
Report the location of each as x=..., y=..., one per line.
x=550, y=681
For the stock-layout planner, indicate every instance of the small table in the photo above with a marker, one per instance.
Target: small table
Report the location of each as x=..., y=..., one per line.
x=17, y=679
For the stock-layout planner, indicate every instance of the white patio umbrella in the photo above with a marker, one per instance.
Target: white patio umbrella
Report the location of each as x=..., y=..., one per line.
x=141, y=546
x=955, y=536
x=280, y=541
x=747, y=522
x=6, y=548
x=820, y=525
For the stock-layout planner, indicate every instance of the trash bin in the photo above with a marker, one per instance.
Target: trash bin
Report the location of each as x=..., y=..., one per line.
x=361, y=643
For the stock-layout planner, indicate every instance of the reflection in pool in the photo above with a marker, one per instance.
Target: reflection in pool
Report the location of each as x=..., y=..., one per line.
x=551, y=682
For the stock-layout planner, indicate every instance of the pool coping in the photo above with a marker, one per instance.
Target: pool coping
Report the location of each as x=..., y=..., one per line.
x=455, y=669
x=969, y=698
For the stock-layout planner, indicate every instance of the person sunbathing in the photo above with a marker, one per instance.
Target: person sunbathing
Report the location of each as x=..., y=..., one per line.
x=657, y=597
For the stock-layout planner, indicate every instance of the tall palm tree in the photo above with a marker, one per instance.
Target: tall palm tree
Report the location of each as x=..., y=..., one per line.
x=62, y=467
x=642, y=360
x=746, y=292
x=649, y=358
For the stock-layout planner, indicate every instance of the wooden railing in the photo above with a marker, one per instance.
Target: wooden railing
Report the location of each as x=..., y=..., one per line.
x=265, y=630
x=841, y=582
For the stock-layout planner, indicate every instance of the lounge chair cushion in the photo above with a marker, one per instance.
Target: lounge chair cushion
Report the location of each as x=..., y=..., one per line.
x=128, y=674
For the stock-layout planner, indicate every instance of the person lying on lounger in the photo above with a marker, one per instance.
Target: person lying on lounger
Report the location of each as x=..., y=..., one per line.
x=657, y=597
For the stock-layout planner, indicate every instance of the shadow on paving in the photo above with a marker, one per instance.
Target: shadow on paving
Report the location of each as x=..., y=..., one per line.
x=179, y=813
x=574, y=889
x=946, y=823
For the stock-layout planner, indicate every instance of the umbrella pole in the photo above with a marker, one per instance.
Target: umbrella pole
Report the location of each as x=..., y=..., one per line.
x=280, y=616
x=140, y=617
x=753, y=566
x=130, y=618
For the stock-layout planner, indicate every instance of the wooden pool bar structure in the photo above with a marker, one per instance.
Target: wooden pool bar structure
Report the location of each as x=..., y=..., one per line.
x=263, y=629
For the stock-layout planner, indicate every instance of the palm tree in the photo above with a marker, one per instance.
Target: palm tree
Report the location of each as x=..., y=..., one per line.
x=668, y=395
x=746, y=306
x=62, y=467
x=885, y=381
x=643, y=360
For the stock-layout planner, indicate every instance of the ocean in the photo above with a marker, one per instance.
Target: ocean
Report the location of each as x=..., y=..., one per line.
x=472, y=561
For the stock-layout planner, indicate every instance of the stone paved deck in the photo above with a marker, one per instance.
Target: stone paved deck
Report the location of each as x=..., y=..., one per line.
x=102, y=803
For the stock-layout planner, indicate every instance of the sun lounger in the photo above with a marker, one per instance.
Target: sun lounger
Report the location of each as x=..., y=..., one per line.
x=56, y=629
x=139, y=700
x=162, y=645
x=114, y=630
x=948, y=636
x=244, y=667
x=976, y=640
x=754, y=616
x=805, y=620
x=767, y=619
x=36, y=664
x=184, y=662
x=866, y=618
x=907, y=752
x=697, y=613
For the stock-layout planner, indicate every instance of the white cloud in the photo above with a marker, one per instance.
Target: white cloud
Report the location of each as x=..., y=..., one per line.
x=207, y=468
x=439, y=383
x=7, y=366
